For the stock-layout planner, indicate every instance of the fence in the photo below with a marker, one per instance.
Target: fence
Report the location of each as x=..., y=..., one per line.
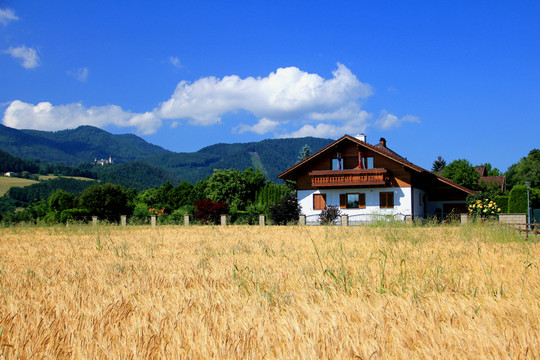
x=261, y=220
x=223, y=220
x=354, y=220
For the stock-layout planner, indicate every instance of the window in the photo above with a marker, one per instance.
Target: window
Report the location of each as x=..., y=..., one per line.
x=369, y=163
x=319, y=201
x=337, y=164
x=352, y=201
x=386, y=200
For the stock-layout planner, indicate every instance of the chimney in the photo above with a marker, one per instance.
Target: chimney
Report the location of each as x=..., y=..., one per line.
x=382, y=141
x=361, y=137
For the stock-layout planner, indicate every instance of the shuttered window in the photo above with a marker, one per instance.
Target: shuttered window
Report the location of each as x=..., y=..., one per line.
x=352, y=201
x=319, y=201
x=386, y=200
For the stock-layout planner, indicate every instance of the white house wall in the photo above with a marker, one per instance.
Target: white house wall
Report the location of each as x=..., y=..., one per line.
x=402, y=201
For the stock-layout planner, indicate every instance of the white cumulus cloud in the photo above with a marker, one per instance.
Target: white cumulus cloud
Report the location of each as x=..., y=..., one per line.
x=7, y=15
x=28, y=56
x=288, y=103
x=263, y=126
x=286, y=94
x=387, y=121
x=45, y=116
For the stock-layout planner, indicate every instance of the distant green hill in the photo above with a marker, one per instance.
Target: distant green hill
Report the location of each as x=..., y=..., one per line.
x=72, y=147
x=83, y=144
x=270, y=156
x=136, y=175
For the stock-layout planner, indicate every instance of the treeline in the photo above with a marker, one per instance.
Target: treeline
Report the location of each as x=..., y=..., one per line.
x=241, y=194
x=10, y=163
x=491, y=198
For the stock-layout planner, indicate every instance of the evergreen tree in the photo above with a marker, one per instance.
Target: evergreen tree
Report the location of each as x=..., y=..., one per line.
x=305, y=152
x=438, y=165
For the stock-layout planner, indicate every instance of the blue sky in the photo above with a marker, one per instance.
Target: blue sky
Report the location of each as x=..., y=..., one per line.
x=458, y=79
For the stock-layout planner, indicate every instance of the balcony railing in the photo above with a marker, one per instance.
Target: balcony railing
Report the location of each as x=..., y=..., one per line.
x=350, y=177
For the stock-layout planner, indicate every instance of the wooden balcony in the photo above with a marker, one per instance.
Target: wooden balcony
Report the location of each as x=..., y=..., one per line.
x=350, y=177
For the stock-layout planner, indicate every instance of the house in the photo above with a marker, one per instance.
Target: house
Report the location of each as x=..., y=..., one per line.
x=369, y=181
x=498, y=181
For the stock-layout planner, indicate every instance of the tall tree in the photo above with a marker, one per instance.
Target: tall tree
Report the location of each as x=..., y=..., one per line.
x=463, y=173
x=527, y=169
x=107, y=201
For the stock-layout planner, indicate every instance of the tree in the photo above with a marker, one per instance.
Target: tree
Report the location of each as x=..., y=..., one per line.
x=305, y=152
x=527, y=169
x=181, y=195
x=463, y=173
x=438, y=165
x=107, y=201
x=234, y=187
x=62, y=200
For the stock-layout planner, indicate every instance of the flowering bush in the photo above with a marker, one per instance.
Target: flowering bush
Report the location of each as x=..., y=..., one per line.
x=484, y=207
x=157, y=212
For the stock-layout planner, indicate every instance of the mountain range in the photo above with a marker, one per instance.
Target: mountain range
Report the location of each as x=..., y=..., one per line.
x=87, y=143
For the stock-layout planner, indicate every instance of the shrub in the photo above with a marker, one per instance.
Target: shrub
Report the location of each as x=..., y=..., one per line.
x=74, y=215
x=140, y=214
x=517, y=200
x=329, y=215
x=502, y=202
x=16, y=217
x=209, y=211
x=484, y=208
x=286, y=211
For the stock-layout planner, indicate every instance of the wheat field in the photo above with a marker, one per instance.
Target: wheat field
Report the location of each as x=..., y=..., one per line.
x=240, y=292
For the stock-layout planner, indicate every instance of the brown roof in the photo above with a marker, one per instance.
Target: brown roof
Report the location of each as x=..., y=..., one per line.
x=501, y=180
x=380, y=149
x=481, y=170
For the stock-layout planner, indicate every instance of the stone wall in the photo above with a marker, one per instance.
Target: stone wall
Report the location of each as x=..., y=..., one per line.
x=513, y=219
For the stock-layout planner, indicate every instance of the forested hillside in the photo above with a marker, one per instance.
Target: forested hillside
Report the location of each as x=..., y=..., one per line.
x=136, y=175
x=79, y=147
x=270, y=156
x=12, y=163
x=72, y=147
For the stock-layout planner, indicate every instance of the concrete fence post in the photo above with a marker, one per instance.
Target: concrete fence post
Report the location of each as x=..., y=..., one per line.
x=186, y=219
x=262, y=220
x=153, y=221
x=123, y=220
x=344, y=220
x=223, y=219
x=94, y=220
x=302, y=220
